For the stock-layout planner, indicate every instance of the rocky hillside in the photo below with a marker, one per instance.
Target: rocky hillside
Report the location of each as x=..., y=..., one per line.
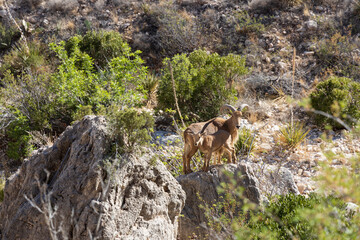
x=325, y=34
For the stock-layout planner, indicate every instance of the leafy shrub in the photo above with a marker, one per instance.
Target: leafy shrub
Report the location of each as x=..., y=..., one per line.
x=30, y=96
x=246, y=141
x=236, y=28
x=203, y=82
x=23, y=61
x=245, y=24
x=101, y=46
x=355, y=17
x=78, y=84
x=82, y=112
x=27, y=101
x=18, y=138
x=48, y=102
x=293, y=134
x=339, y=97
x=287, y=217
x=130, y=127
x=336, y=53
x=8, y=35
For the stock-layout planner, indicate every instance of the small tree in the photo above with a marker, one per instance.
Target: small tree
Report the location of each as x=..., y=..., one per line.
x=130, y=127
x=203, y=82
x=339, y=97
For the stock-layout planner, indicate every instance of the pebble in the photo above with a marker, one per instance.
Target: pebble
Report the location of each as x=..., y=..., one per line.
x=309, y=53
x=311, y=25
x=282, y=65
x=301, y=187
x=3, y=13
x=265, y=147
x=306, y=174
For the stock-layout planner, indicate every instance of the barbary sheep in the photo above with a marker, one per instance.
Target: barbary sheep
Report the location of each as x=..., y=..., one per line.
x=230, y=125
x=216, y=143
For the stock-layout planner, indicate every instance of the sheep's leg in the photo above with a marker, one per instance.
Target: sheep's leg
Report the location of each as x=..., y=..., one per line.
x=206, y=161
x=217, y=157
x=189, y=151
x=233, y=155
x=220, y=153
x=229, y=152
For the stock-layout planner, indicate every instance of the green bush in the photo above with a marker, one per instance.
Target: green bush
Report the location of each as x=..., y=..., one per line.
x=78, y=84
x=48, y=102
x=18, y=138
x=130, y=127
x=336, y=54
x=339, y=97
x=245, y=24
x=32, y=60
x=203, y=82
x=8, y=35
x=31, y=96
x=28, y=101
x=355, y=18
x=287, y=218
x=101, y=46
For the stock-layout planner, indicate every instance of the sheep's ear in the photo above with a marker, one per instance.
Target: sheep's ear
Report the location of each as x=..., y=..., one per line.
x=243, y=108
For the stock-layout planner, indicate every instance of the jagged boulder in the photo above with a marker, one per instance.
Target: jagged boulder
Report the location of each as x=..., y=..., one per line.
x=258, y=182
x=90, y=194
x=274, y=180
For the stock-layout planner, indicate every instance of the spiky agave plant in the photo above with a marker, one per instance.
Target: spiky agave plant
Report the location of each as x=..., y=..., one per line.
x=246, y=141
x=293, y=134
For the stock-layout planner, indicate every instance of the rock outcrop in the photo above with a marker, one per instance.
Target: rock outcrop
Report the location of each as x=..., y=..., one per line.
x=258, y=182
x=76, y=190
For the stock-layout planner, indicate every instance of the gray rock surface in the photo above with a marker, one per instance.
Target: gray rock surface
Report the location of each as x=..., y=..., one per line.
x=136, y=200
x=274, y=180
x=258, y=182
x=203, y=185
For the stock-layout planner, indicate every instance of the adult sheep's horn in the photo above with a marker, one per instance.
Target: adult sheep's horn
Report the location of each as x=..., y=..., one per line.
x=228, y=107
x=243, y=108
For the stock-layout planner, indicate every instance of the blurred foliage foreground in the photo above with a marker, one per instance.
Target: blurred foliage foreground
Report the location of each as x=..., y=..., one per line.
x=330, y=213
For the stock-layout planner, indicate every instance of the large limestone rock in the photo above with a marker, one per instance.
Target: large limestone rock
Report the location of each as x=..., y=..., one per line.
x=132, y=199
x=258, y=183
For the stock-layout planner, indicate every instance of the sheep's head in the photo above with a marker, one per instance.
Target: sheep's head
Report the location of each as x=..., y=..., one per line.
x=236, y=114
x=198, y=138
